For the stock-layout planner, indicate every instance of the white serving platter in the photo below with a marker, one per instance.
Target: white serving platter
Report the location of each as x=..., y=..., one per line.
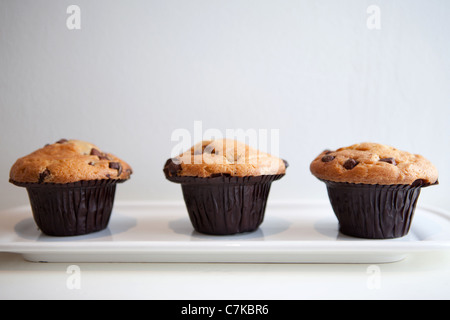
x=292, y=232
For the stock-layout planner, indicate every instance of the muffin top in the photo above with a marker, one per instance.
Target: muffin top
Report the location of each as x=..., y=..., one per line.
x=68, y=161
x=373, y=163
x=224, y=157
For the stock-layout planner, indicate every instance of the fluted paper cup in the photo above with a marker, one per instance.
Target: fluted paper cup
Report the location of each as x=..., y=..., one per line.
x=71, y=209
x=225, y=205
x=374, y=211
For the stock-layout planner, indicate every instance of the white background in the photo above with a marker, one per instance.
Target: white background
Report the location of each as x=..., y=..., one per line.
x=138, y=70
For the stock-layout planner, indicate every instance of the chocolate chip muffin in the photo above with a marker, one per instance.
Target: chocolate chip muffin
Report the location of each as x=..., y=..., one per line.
x=374, y=188
x=71, y=185
x=225, y=185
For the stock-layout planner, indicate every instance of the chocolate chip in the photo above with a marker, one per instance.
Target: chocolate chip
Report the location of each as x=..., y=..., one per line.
x=91, y=163
x=197, y=151
x=95, y=152
x=100, y=155
x=328, y=158
x=43, y=175
x=286, y=164
x=209, y=150
x=327, y=151
x=171, y=168
x=205, y=148
x=350, y=164
x=389, y=160
x=62, y=141
x=117, y=166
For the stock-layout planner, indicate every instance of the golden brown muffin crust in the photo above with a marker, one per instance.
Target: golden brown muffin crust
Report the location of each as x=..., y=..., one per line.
x=68, y=161
x=224, y=157
x=373, y=163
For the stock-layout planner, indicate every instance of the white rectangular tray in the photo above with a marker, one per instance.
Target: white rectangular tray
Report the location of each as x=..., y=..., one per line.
x=294, y=232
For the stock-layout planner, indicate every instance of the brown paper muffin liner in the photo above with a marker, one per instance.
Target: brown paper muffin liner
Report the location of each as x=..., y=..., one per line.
x=225, y=205
x=374, y=211
x=71, y=209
